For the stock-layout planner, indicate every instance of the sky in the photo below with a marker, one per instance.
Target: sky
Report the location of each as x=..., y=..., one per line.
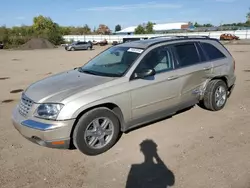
x=124, y=12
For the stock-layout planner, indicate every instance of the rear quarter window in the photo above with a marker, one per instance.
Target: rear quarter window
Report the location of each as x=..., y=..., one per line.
x=212, y=52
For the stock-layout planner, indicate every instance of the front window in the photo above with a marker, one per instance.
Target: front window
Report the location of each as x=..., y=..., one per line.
x=114, y=62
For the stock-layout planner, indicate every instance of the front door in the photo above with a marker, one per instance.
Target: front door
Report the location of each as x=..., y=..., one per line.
x=158, y=93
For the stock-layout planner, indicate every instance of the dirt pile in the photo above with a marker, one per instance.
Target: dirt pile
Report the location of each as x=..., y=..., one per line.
x=37, y=43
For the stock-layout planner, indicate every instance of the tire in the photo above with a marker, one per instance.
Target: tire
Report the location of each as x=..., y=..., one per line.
x=72, y=49
x=80, y=139
x=209, y=102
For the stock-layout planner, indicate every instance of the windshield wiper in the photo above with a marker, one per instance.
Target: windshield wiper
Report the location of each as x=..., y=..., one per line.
x=97, y=73
x=87, y=71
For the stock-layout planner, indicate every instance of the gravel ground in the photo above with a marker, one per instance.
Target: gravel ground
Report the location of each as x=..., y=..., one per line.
x=196, y=148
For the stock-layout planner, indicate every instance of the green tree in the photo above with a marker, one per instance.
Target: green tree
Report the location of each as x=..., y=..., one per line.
x=43, y=24
x=86, y=29
x=197, y=25
x=149, y=28
x=118, y=28
x=4, y=34
x=140, y=30
x=65, y=30
x=46, y=28
x=208, y=25
x=202, y=25
x=248, y=17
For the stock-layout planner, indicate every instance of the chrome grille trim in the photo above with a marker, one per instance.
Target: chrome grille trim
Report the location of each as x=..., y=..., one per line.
x=25, y=105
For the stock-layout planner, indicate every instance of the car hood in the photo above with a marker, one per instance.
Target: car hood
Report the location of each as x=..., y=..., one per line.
x=60, y=86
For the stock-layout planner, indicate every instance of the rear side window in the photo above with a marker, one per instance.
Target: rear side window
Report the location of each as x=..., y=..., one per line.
x=212, y=52
x=187, y=54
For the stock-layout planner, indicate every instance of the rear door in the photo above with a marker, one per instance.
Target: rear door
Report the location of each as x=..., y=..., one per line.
x=193, y=70
x=222, y=60
x=84, y=45
x=81, y=45
x=77, y=45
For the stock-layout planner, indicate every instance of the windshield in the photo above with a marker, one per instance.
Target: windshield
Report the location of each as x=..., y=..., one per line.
x=113, y=62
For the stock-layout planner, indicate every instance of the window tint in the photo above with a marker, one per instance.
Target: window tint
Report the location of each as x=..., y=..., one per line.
x=203, y=57
x=212, y=52
x=81, y=43
x=187, y=54
x=158, y=59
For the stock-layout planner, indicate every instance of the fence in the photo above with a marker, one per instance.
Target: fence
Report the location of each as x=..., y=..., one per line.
x=242, y=34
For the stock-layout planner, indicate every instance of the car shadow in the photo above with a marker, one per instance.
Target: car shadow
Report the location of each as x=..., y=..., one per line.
x=158, y=120
x=150, y=174
x=72, y=147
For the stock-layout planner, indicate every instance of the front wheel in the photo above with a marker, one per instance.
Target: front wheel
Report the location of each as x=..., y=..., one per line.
x=96, y=131
x=215, y=96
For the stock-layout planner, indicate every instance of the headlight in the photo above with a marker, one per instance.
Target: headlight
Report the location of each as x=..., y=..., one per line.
x=48, y=111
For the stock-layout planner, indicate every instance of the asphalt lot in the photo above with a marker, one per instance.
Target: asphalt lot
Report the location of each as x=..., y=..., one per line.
x=196, y=148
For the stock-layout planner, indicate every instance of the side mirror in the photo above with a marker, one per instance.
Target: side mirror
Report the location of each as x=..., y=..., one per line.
x=144, y=73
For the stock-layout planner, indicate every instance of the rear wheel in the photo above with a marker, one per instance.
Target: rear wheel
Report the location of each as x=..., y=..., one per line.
x=96, y=131
x=215, y=96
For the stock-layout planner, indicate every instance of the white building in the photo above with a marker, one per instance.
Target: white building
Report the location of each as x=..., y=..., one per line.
x=159, y=28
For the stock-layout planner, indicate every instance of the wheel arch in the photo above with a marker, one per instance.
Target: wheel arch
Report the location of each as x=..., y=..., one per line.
x=115, y=108
x=223, y=78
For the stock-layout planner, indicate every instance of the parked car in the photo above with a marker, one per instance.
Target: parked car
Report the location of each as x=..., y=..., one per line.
x=95, y=42
x=131, y=39
x=103, y=43
x=226, y=36
x=124, y=87
x=1, y=45
x=79, y=45
x=115, y=43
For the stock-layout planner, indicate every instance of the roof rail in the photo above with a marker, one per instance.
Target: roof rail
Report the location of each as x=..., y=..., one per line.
x=192, y=36
x=181, y=36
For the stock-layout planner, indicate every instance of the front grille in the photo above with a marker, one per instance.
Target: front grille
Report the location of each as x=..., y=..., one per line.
x=25, y=105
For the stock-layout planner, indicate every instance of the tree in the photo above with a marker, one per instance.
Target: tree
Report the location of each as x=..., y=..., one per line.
x=149, y=28
x=103, y=30
x=46, y=28
x=118, y=28
x=4, y=34
x=86, y=29
x=208, y=25
x=248, y=17
x=197, y=25
x=42, y=24
x=65, y=30
x=94, y=30
x=140, y=30
x=202, y=25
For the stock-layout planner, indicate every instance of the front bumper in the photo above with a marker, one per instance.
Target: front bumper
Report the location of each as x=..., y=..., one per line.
x=38, y=130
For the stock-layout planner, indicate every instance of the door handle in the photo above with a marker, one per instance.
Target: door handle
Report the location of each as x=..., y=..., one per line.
x=173, y=77
x=207, y=68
